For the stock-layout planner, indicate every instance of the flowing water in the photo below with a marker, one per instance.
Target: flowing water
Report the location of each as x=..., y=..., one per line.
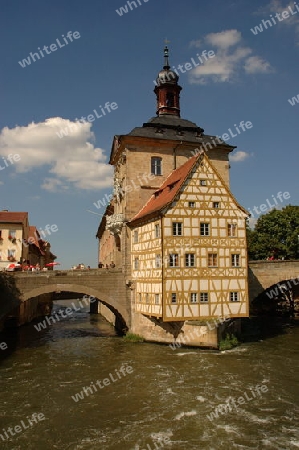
x=144, y=396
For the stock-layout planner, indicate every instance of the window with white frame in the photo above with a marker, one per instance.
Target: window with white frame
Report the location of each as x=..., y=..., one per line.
x=235, y=260
x=204, y=297
x=157, y=299
x=173, y=298
x=11, y=254
x=193, y=297
x=136, y=263
x=191, y=204
x=12, y=234
x=177, y=228
x=158, y=261
x=156, y=165
x=173, y=260
x=231, y=229
x=234, y=297
x=189, y=259
x=212, y=260
x=203, y=182
x=204, y=229
x=216, y=205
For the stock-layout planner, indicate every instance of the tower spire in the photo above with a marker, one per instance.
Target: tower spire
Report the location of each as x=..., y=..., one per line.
x=166, y=58
x=167, y=89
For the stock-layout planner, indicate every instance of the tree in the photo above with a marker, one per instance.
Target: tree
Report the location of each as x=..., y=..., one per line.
x=276, y=234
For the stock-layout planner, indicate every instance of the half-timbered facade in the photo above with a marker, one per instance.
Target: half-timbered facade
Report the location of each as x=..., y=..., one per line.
x=189, y=254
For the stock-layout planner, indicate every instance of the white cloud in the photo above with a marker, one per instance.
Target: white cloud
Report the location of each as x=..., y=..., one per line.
x=255, y=64
x=54, y=185
x=277, y=6
x=196, y=44
x=72, y=161
x=224, y=39
x=231, y=59
x=239, y=156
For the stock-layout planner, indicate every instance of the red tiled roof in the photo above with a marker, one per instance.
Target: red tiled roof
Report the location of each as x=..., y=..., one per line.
x=13, y=217
x=34, y=234
x=167, y=192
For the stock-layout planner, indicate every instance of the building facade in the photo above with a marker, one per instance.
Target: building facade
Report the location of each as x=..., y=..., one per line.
x=14, y=229
x=20, y=242
x=39, y=250
x=187, y=256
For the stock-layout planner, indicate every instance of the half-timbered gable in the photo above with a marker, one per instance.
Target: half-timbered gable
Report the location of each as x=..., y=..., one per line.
x=202, y=247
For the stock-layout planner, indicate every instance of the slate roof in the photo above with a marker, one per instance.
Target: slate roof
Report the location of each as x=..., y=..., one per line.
x=171, y=127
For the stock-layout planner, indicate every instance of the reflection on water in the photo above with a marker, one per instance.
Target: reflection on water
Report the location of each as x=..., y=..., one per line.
x=164, y=403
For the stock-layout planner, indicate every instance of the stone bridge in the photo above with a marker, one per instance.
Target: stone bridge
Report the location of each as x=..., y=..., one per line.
x=263, y=275
x=107, y=285
x=111, y=289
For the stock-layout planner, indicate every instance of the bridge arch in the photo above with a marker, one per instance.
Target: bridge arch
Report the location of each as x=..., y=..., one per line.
x=121, y=315
x=281, y=297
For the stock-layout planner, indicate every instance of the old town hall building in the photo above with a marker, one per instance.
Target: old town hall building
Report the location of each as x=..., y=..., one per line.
x=173, y=225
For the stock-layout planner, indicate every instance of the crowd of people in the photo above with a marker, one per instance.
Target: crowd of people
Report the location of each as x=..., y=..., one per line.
x=80, y=267
x=106, y=266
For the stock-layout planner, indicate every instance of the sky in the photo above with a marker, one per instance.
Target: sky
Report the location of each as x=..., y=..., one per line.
x=93, y=54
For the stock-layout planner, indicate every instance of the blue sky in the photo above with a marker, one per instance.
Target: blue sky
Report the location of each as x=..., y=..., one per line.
x=115, y=59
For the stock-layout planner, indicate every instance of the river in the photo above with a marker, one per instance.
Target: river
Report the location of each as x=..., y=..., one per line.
x=144, y=396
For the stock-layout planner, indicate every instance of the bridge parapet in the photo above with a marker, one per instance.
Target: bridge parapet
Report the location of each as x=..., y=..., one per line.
x=75, y=272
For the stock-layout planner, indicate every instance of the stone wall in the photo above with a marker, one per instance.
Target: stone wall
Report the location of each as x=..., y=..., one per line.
x=106, y=313
x=29, y=310
x=177, y=334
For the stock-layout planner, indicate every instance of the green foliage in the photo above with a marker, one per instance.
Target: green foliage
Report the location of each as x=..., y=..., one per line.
x=131, y=337
x=275, y=234
x=228, y=342
x=9, y=294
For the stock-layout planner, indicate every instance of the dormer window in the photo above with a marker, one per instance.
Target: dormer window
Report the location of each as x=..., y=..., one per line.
x=171, y=185
x=156, y=165
x=179, y=131
x=159, y=130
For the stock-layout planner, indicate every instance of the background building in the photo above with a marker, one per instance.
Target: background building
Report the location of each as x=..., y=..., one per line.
x=14, y=230
x=20, y=242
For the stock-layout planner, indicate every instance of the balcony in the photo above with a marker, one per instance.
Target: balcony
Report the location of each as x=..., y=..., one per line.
x=115, y=223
